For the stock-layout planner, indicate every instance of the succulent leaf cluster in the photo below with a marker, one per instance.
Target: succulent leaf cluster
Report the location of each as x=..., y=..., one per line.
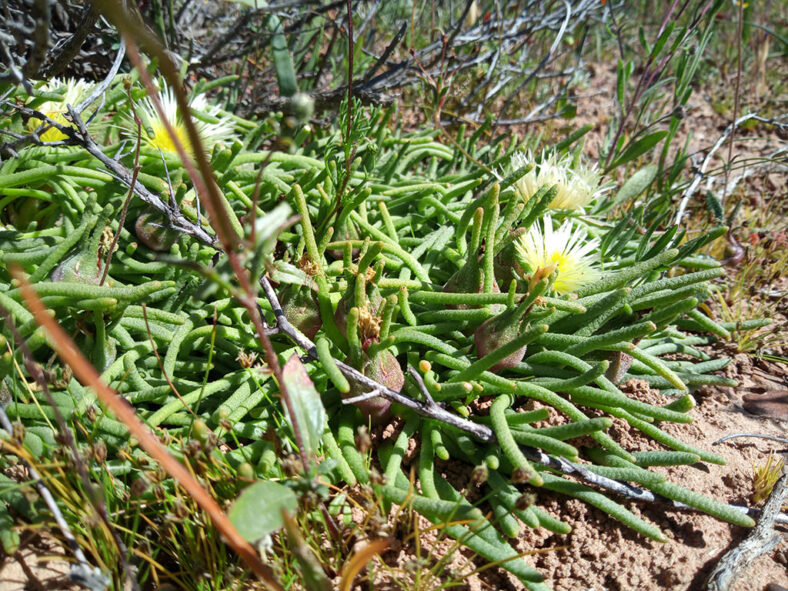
x=407, y=253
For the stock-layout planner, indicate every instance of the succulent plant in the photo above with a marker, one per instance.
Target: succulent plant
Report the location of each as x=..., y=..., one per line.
x=407, y=289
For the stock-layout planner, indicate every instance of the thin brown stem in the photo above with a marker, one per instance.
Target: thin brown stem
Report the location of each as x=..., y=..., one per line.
x=350, y=68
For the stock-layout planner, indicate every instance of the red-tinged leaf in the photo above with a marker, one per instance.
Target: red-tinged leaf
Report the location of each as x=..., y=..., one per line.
x=310, y=416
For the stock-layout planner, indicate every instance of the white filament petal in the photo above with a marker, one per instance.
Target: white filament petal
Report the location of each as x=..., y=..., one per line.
x=576, y=187
x=565, y=249
x=154, y=131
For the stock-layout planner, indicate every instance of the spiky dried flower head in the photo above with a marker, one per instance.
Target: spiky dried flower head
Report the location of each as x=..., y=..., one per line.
x=74, y=91
x=576, y=187
x=368, y=325
x=309, y=267
x=154, y=131
x=543, y=250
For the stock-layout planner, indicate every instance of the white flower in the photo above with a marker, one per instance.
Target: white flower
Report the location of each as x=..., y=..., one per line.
x=564, y=250
x=576, y=187
x=74, y=91
x=154, y=132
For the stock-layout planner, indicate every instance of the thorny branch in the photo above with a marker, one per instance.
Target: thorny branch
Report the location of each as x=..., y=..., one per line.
x=490, y=43
x=47, y=123
x=626, y=490
x=42, y=14
x=757, y=435
x=80, y=135
x=700, y=172
x=68, y=50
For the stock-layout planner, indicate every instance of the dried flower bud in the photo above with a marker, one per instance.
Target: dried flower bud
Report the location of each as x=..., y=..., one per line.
x=520, y=475
x=18, y=432
x=246, y=360
x=180, y=510
x=376, y=477
x=363, y=440
x=163, y=437
x=524, y=501
x=292, y=466
x=479, y=475
x=99, y=451
x=90, y=413
x=138, y=487
x=193, y=448
x=61, y=438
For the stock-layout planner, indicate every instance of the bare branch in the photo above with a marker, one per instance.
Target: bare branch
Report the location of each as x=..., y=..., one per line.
x=700, y=172
x=761, y=540
x=42, y=14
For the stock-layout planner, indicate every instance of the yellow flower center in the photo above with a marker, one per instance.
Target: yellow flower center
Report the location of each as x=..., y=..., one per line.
x=53, y=134
x=562, y=250
x=159, y=138
x=558, y=259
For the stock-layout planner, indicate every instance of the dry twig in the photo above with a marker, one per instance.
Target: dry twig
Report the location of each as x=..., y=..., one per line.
x=761, y=540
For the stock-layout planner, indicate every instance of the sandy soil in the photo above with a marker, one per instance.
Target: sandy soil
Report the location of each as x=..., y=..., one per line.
x=37, y=565
x=600, y=554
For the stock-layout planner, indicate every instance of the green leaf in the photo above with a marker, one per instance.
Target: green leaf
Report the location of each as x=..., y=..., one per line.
x=660, y=44
x=310, y=416
x=715, y=207
x=639, y=148
x=267, y=227
x=569, y=140
x=643, y=41
x=257, y=512
x=636, y=184
x=283, y=61
x=9, y=537
x=568, y=110
x=283, y=272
